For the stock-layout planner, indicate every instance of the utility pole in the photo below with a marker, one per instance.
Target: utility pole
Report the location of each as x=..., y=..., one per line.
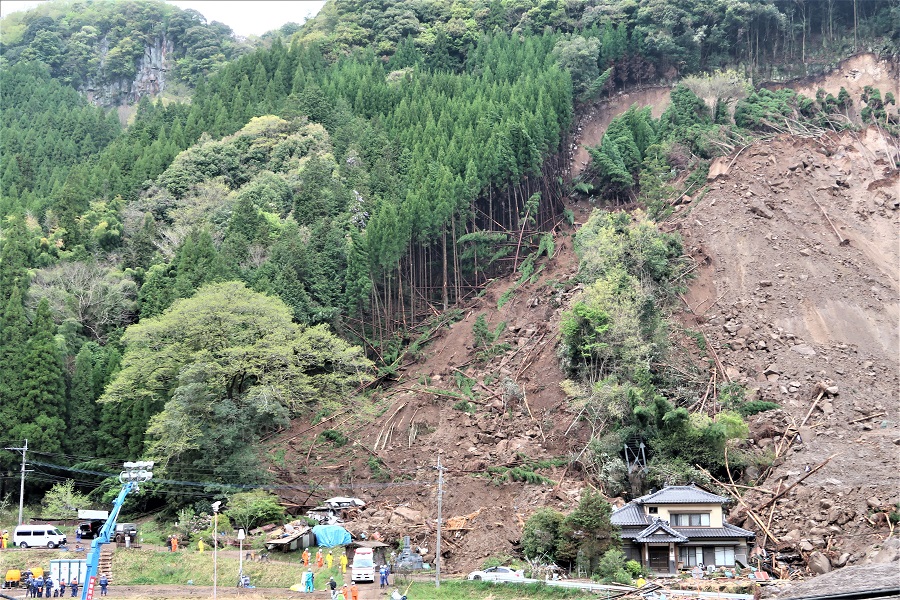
x=440, y=497
x=23, y=450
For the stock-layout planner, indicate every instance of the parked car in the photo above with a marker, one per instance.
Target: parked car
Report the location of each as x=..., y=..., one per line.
x=90, y=529
x=497, y=574
x=124, y=530
x=31, y=536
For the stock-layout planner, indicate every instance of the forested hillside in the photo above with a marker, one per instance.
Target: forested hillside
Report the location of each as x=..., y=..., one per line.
x=93, y=45
x=355, y=178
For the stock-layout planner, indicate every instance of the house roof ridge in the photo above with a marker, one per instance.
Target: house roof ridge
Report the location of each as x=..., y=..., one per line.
x=655, y=526
x=681, y=494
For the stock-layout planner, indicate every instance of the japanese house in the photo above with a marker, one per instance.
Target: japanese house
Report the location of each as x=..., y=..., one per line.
x=680, y=527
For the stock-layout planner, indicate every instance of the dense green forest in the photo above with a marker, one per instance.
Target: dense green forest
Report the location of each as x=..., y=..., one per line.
x=88, y=43
x=354, y=176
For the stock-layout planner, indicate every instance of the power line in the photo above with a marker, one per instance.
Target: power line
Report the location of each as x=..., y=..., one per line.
x=259, y=486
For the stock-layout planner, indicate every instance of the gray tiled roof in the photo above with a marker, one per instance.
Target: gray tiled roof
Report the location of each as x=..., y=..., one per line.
x=629, y=533
x=669, y=535
x=728, y=531
x=630, y=514
x=681, y=494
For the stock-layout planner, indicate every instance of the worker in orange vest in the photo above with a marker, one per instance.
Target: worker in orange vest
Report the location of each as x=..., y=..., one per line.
x=320, y=560
x=174, y=543
x=306, y=557
x=354, y=591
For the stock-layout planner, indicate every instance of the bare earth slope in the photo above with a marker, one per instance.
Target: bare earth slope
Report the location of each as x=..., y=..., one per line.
x=517, y=415
x=787, y=306
x=784, y=305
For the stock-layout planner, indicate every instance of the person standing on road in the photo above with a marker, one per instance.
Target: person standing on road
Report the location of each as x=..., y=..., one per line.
x=74, y=586
x=332, y=585
x=344, y=563
x=104, y=582
x=48, y=586
x=308, y=581
x=329, y=559
x=62, y=588
x=354, y=591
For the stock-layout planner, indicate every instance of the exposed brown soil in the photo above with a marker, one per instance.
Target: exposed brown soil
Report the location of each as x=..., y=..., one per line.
x=594, y=119
x=853, y=74
x=519, y=411
x=790, y=311
x=773, y=286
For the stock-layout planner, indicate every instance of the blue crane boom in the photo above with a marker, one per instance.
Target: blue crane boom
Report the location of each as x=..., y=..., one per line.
x=133, y=474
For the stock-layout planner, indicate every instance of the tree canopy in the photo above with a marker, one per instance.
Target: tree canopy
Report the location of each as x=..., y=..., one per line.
x=216, y=370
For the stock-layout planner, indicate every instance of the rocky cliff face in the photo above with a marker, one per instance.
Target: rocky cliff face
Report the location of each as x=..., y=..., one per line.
x=150, y=79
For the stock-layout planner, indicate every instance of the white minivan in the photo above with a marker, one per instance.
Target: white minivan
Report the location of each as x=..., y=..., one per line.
x=33, y=536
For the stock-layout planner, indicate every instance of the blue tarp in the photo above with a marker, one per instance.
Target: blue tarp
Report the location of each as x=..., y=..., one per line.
x=331, y=535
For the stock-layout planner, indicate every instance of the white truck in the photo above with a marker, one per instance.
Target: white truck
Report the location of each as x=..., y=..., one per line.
x=363, y=566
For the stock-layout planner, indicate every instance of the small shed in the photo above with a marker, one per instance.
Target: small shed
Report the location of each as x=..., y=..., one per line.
x=380, y=550
x=302, y=538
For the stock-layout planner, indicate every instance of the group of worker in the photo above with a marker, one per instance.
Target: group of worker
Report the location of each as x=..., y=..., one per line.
x=324, y=560
x=345, y=592
x=42, y=587
x=350, y=592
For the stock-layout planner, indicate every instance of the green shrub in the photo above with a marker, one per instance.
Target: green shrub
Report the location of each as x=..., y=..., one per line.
x=337, y=438
x=757, y=406
x=635, y=569
x=539, y=538
x=611, y=564
x=376, y=466
x=465, y=406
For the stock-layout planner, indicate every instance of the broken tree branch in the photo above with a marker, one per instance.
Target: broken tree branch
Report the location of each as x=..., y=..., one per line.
x=881, y=414
x=841, y=239
x=812, y=408
x=793, y=485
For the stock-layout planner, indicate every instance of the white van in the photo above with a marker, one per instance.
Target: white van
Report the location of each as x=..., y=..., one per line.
x=34, y=536
x=363, y=567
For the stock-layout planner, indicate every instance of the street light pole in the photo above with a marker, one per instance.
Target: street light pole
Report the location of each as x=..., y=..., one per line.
x=241, y=537
x=215, y=507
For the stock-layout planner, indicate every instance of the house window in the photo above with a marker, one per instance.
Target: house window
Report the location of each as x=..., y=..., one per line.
x=653, y=510
x=724, y=556
x=690, y=557
x=690, y=520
